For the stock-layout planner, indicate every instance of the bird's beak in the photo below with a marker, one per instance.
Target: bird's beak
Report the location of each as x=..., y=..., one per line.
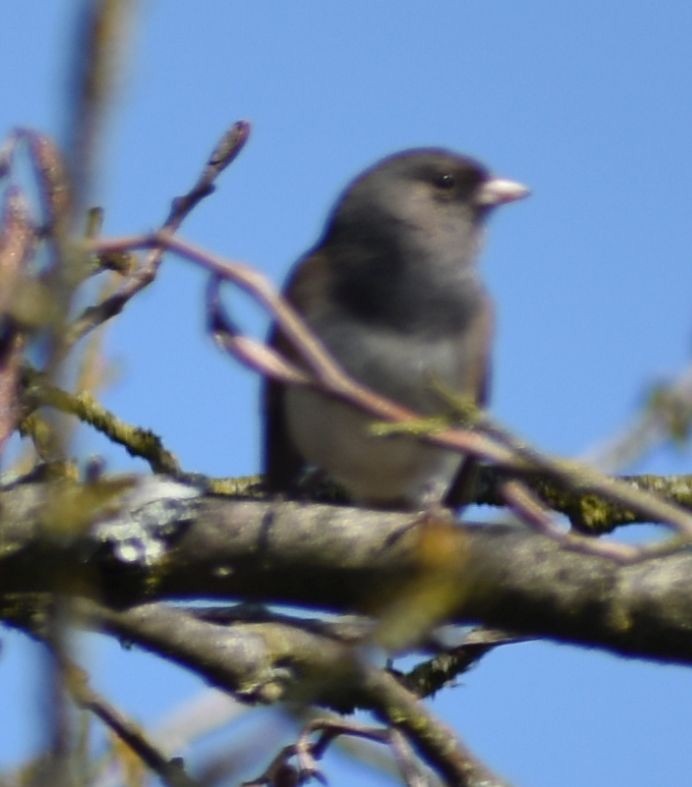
x=497, y=191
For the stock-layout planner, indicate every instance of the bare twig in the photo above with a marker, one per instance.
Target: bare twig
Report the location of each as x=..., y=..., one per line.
x=227, y=149
x=585, y=479
x=399, y=708
x=527, y=506
x=271, y=662
x=16, y=241
x=225, y=152
x=587, y=513
x=404, y=757
x=307, y=752
x=323, y=371
x=432, y=675
x=136, y=440
x=667, y=415
x=54, y=189
x=58, y=721
x=319, y=370
x=97, y=53
x=170, y=770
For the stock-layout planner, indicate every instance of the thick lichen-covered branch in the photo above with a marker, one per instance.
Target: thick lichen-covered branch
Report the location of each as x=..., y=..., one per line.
x=587, y=511
x=169, y=541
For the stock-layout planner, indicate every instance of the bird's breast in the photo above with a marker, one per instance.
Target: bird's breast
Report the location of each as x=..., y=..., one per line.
x=408, y=369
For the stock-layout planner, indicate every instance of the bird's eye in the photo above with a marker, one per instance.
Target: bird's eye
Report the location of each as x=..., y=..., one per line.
x=445, y=181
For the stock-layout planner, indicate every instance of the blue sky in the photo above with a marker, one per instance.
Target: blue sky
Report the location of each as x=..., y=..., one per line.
x=587, y=103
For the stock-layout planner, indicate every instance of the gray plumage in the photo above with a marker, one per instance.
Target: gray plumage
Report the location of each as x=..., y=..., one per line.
x=393, y=292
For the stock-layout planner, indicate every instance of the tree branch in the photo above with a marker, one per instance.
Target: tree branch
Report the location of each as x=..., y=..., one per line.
x=160, y=540
x=270, y=662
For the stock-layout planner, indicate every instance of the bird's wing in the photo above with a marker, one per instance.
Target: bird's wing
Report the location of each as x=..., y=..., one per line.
x=282, y=463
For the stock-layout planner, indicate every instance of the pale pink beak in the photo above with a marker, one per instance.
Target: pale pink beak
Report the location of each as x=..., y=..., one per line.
x=496, y=191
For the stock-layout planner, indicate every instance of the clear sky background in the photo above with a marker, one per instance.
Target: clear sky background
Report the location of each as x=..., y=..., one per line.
x=588, y=103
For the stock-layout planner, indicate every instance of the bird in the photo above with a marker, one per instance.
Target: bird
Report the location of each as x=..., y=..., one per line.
x=392, y=291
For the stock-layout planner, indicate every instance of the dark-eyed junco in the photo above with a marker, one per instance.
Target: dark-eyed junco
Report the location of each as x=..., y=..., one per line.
x=392, y=291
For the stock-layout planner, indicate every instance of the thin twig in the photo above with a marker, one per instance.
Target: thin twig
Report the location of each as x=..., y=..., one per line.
x=16, y=241
x=98, y=50
x=325, y=373
x=51, y=177
x=170, y=770
x=307, y=752
x=328, y=673
x=530, y=509
x=666, y=416
x=226, y=150
x=496, y=445
x=581, y=477
x=432, y=675
x=137, y=441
